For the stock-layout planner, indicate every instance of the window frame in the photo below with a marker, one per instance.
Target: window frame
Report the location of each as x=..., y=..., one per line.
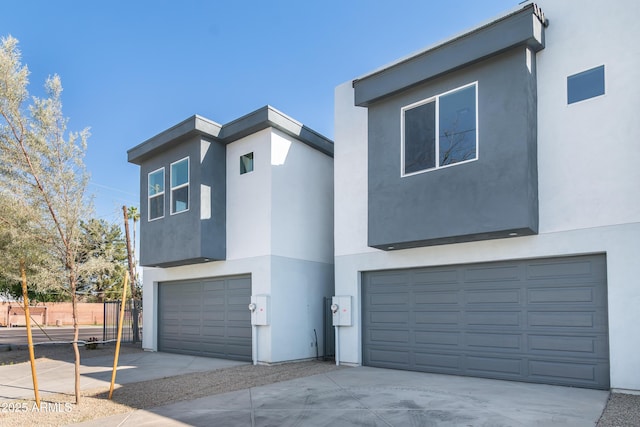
x=156, y=195
x=177, y=187
x=436, y=99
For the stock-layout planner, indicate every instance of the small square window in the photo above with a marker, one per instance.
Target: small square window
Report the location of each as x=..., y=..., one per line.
x=246, y=163
x=585, y=85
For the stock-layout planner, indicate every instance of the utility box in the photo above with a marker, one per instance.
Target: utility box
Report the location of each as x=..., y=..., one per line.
x=260, y=311
x=341, y=310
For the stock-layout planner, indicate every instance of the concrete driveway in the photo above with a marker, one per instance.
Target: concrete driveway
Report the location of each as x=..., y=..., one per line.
x=365, y=396
x=347, y=397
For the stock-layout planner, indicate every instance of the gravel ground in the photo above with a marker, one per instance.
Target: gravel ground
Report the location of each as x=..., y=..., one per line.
x=622, y=409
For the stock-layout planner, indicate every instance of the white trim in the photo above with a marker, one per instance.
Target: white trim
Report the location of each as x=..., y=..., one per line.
x=177, y=187
x=436, y=99
x=149, y=197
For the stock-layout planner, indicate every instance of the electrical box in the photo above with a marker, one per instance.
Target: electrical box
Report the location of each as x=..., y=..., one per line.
x=341, y=310
x=259, y=310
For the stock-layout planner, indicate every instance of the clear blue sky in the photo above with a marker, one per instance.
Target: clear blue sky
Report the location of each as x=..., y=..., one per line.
x=131, y=69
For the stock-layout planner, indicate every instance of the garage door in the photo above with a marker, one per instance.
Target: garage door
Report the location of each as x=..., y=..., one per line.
x=207, y=317
x=542, y=321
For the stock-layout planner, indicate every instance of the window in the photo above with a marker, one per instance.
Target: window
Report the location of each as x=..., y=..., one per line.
x=246, y=163
x=180, y=186
x=440, y=131
x=156, y=194
x=585, y=85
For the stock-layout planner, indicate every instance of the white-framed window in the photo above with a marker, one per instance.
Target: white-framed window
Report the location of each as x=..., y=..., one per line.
x=180, y=186
x=440, y=131
x=585, y=85
x=246, y=163
x=155, y=182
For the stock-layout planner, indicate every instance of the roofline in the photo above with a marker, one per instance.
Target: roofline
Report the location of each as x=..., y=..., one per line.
x=262, y=118
x=513, y=11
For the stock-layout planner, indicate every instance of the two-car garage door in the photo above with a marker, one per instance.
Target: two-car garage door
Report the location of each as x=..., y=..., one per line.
x=537, y=320
x=207, y=317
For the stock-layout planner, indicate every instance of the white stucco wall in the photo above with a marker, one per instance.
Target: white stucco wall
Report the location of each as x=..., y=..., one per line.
x=588, y=160
x=249, y=198
x=588, y=178
x=297, y=292
x=302, y=200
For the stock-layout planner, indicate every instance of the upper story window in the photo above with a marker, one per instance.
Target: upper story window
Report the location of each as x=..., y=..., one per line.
x=440, y=131
x=156, y=194
x=246, y=163
x=585, y=85
x=180, y=186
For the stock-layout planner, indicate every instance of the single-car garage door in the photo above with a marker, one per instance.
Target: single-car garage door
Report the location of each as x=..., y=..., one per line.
x=207, y=317
x=542, y=321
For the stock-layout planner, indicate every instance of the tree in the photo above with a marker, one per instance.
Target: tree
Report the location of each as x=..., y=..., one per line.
x=101, y=260
x=134, y=215
x=41, y=166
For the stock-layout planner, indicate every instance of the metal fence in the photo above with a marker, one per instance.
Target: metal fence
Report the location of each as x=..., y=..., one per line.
x=132, y=324
x=328, y=332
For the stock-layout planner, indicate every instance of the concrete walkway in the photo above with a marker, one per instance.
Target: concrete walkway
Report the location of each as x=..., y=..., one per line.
x=55, y=376
x=380, y=397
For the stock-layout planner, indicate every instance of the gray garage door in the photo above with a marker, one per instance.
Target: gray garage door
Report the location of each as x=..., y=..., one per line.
x=207, y=317
x=536, y=321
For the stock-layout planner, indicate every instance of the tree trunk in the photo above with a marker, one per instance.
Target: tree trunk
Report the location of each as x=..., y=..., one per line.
x=76, y=331
x=27, y=316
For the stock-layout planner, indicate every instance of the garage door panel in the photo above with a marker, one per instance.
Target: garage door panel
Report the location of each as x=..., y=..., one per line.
x=494, y=318
x=532, y=320
x=438, y=362
x=437, y=318
x=563, y=344
x=389, y=317
x=493, y=341
x=437, y=338
x=557, y=295
x=493, y=296
x=437, y=297
x=562, y=320
x=494, y=366
x=493, y=274
x=433, y=278
x=212, y=331
x=560, y=269
x=238, y=332
x=206, y=317
x=390, y=357
x=388, y=299
x=239, y=316
x=569, y=370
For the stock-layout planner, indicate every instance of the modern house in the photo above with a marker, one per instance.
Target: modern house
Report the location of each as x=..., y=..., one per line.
x=493, y=229
x=231, y=215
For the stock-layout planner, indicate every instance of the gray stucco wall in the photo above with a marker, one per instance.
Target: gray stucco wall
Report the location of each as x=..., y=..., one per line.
x=488, y=198
x=185, y=237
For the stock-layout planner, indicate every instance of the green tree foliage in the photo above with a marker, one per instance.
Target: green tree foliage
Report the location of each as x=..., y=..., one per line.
x=42, y=170
x=102, y=260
